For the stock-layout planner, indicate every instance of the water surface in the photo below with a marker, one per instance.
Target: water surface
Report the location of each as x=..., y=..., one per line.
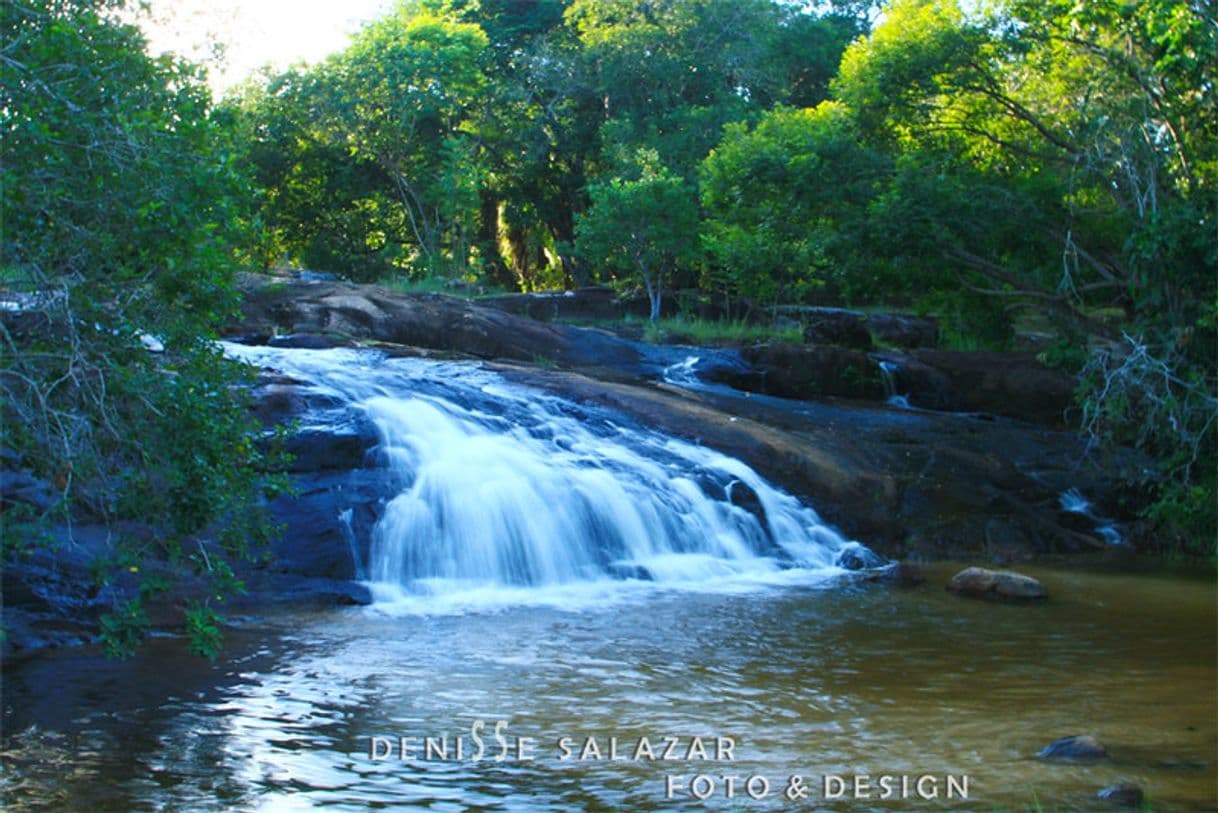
x=807, y=680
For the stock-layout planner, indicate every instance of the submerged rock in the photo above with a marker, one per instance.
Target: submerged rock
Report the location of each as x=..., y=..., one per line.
x=1125, y=794
x=1007, y=584
x=1076, y=747
x=901, y=574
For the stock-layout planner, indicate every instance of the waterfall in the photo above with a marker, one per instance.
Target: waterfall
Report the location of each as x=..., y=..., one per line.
x=888, y=372
x=1072, y=501
x=506, y=488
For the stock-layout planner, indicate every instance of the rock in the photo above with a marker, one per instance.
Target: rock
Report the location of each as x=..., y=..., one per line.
x=1005, y=543
x=898, y=574
x=327, y=522
x=814, y=371
x=904, y=330
x=1124, y=794
x=624, y=571
x=742, y=495
x=431, y=321
x=342, y=447
x=856, y=557
x=1014, y=385
x=904, y=574
x=307, y=341
x=835, y=326
x=979, y=582
x=22, y=487
x=1076, y=747
x=547, y=306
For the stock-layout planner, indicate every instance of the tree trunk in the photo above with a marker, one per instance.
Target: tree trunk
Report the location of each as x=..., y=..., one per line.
x=488, y=241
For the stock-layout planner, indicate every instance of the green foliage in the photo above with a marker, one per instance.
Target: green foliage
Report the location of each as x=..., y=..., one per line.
x=640, y=229
x=123, y=215
x=782, y=201
x=368, y=161
x=123, y=629
x=203, y=630
x=1146, y=396
x=711, y=332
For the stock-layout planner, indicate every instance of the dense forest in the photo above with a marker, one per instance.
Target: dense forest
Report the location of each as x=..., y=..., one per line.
x=993, y=164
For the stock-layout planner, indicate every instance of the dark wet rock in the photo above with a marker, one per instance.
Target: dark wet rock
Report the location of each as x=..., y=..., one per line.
x=903, y=574
x=904, y=330
x=1080, y=747
x=857, y=557
x=835, y=326
x=1006, y=543
x=1123, y=794
x=1014, y=385
x=979, y=582
x=623, y=571
x=742, y=495
x=308, y=592
x=327, y=522
x=813, y=371
x=277, y=403
x=342, y=447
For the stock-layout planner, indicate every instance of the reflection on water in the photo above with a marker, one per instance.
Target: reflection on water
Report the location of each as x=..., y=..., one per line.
x=856, y=680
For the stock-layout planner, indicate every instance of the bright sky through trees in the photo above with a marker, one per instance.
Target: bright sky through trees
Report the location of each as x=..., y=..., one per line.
x=236, y=37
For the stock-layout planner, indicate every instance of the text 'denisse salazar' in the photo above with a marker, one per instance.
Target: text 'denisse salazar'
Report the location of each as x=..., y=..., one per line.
x=700, y=778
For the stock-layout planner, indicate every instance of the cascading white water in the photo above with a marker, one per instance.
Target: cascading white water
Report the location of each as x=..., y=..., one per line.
x=888, y=373
x=505, y=488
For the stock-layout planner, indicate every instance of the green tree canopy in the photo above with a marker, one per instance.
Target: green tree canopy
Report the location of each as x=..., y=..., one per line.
x=640, y=229
x=784, y=200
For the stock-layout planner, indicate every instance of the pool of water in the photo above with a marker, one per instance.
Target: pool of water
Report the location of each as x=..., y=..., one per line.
x=811, y=681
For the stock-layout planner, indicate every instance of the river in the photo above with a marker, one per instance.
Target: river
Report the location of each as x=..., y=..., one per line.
x=613, y=627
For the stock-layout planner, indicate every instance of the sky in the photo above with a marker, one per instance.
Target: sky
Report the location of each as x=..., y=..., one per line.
x=253, y=33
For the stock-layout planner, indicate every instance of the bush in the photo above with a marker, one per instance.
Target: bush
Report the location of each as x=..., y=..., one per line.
x=1150, y=397
x=122, y=217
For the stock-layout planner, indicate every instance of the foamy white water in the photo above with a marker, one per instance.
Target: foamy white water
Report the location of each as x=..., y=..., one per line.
x=513, y=496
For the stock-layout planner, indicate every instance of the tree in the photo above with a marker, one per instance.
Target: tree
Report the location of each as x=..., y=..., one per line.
x=406, y=87
x=1087, y=131
x=121, y=217
x=783, y=201
x=640, y=229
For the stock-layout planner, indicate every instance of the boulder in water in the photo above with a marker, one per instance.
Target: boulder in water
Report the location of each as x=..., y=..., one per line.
x=1124, y=794
x=1076, y=747
x=979, y=582
x=856, y=557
